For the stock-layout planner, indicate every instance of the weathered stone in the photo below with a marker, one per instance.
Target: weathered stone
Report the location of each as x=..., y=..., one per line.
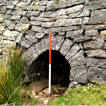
x=8, y=23
x=25, y=43
x=68, y=22
x=23, y=5
x=45, y=44
x=98, y=16
x=75, y=48
x=66, y=46
x=74, y=34
x=54, y=42
x=16, y=17
x=91, y=33
x=7, y=17
x=78, y=59
x=37, y=29
x=31, y=38
x=78, y=74
x=60, y=41
x=51, y=5
x=83, y=13
x=22, y=27
x=94, y=62
x=47, y=24
x=38, y=47
x=86, y=20
x=1, y=28
x=1, y=18
x=36, y=8
x=47, y=14
x=95, y=5
x=35, y=23
x=39, y=35
x=103, y=33
x=33, y=13
x=97, y=44
x=7, y=43
x=52, y=30
x=18, y=37
x=24, y=20
x=95, y=27
x=74, y=2
x=96, y=75
x=70, y=28
x=39, y=3
x=62, y=33
x=96, y=53
x=19, y=12
x=82, y=39
x=70, y=10
x=11, y=35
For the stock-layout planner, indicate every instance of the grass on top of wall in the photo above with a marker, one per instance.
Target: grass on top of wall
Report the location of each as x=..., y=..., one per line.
x=84, y=95
x=10, y=77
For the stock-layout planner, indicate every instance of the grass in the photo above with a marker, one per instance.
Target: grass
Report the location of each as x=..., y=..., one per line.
x=10, y=77
x=94, y=95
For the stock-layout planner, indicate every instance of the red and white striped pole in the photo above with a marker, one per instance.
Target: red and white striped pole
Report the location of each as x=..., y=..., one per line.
x=50, y=45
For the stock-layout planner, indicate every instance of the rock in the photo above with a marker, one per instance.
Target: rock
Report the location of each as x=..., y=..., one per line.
x=96, y=75
x=73, y=85
x=39, y=35
x=66, y=46
x=78, y=74
x=96, y=44
x=78, y=59
x=71, y=10
x=47, y=24
x=45, y=44
x=7, y=43
x=1, y=18
x=24, y=20
x=1, y=28
x=74, y=34
x=37, y=29
x=103, y=33
x=60, y=41
x=22, y=27
x=47, y=14
x=11, y=35
x=91, y=33
x=18, y=37
x=46, y=101
x=96, y=53
x=94, y=62
x=25, y=43
x=98, y=16
x=82, y=39
x=68, y=22
x=75, y=48
x=79, y=14
x=33, y=13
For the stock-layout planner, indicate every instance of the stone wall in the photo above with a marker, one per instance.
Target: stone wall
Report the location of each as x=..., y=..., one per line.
x=78, y=29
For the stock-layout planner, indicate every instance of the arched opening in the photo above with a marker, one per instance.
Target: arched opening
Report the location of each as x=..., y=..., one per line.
x=39, y=69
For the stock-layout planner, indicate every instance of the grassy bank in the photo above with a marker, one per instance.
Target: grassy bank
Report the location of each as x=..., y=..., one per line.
x=84, y=95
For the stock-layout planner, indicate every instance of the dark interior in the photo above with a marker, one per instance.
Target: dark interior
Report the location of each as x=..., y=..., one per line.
x=60, y=68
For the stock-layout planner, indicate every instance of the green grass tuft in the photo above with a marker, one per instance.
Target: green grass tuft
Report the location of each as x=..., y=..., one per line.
x=10, y=77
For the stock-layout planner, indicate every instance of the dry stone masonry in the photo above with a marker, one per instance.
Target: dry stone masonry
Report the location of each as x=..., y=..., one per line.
x=78, y=29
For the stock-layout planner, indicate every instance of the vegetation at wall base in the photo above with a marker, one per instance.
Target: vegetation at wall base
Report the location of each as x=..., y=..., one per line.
x=84, y=95
x=10, y=77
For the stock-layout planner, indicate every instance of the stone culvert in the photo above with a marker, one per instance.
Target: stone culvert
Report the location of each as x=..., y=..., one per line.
x=78, y=29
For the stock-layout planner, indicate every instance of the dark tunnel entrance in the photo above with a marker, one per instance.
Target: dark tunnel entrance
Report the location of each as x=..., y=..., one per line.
x=39, y=69
x=60, y=68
